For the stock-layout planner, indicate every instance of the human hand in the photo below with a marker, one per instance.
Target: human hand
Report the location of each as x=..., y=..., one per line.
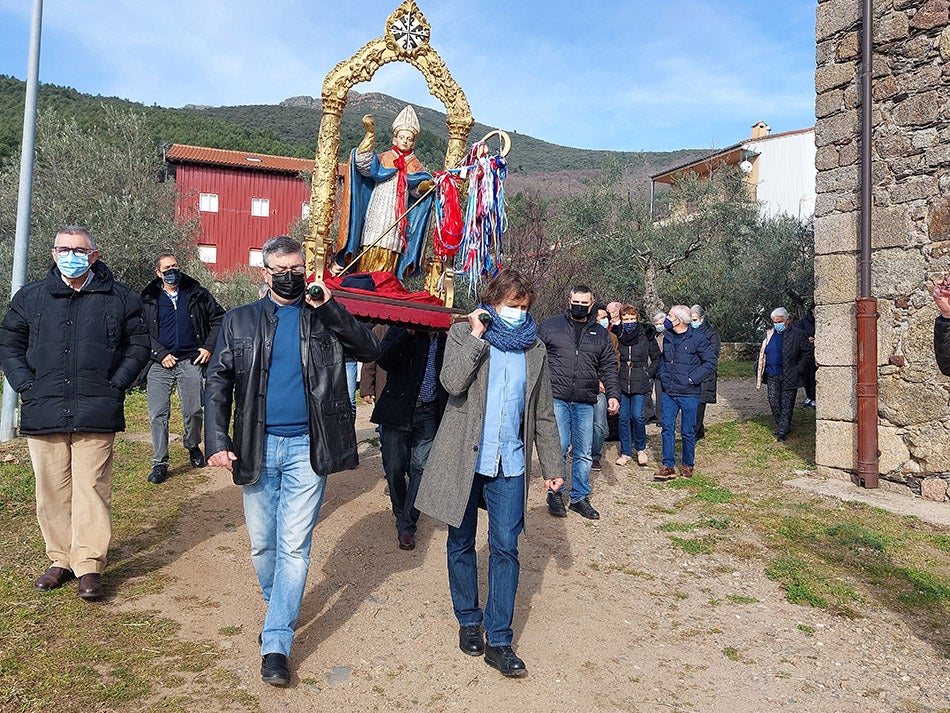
x=941, y=295
x=553, y=484
x=613, y=406
x=369, y=399
x=222, y=459
x=322, y=299
x=169, y=361
x=203, y=356
x=478, y=326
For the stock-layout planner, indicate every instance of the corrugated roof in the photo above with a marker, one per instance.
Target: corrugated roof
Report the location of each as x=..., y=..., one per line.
x=182, y=153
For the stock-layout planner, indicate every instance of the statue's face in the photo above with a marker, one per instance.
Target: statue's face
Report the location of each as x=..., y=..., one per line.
x=404, y=140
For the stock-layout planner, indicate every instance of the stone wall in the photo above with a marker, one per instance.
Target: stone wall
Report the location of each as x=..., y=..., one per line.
x=910, y=234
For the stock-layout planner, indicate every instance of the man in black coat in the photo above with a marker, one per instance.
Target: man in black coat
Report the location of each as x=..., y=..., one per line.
x=182, y=319
x=70, y=345
x=408, y=412
x=711, y=383
x=581, y=356
x=280, y=362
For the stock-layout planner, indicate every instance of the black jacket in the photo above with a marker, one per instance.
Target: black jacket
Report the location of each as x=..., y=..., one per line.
x=639, y=360
x=710, y=383
x=238, y=372
x=797, y=353
x=71, y=355
x=577, y=367
x=688, y=359
x=942, y=344
x=203, y=309
x=403, y=356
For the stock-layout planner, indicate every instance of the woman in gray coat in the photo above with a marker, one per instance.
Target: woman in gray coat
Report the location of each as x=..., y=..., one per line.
x=499, y=407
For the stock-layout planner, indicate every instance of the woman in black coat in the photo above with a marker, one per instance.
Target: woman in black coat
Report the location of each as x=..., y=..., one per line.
x=639, y=358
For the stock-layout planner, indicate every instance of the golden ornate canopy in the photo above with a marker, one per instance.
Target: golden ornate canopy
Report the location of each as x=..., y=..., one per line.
x=406, y=39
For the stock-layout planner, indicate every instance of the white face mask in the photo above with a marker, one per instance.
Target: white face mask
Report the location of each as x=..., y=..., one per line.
x=512, y=316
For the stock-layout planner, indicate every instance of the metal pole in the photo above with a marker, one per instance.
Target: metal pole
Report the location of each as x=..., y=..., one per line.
x=24, y=202
x=866, y=305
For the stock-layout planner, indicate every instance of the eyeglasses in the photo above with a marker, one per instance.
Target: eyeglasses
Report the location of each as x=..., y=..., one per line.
x=75, y=251
x=296, y=269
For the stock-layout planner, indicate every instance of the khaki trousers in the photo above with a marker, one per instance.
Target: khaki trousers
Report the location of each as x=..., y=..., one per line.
x=73, y=474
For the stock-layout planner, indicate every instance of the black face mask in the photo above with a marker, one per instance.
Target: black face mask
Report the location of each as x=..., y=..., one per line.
x=579, y=312
x=288, y=285
x=172, y=276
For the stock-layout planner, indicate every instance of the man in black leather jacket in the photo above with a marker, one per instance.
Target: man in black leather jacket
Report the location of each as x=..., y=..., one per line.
x=280, y=360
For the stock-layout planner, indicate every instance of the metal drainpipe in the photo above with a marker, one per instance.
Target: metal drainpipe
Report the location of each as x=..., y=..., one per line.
x=866, y=304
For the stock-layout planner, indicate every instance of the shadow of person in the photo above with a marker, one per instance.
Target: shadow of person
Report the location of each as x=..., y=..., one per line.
x=361, y=559
x=544, y=550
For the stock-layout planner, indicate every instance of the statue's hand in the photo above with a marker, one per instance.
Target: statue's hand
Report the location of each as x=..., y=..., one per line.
x=366, y=145
x=425, y=185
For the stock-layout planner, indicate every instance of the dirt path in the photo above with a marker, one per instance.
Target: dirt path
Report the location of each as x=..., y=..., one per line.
x=610, y=617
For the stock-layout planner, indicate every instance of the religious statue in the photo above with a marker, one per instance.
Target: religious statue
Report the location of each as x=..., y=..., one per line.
x=390, y=201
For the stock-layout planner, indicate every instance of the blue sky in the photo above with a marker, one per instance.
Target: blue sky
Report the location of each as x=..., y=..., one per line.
x=609, y=74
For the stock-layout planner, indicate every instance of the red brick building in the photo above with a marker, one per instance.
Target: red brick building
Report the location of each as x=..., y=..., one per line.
x=239, y=199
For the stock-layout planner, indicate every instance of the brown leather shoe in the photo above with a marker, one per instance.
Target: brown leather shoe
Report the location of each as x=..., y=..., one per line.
x=665, y=473
x=90, y=586
x=53, y=578
x=686, y=471
x=407, y=541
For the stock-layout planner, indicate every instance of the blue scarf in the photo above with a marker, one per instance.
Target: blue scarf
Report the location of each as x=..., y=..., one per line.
x=503, y=337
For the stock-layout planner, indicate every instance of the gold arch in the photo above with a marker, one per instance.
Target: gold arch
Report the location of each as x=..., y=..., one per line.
x=406, y=39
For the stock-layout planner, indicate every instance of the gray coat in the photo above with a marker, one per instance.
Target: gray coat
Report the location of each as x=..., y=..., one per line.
x=447, y=480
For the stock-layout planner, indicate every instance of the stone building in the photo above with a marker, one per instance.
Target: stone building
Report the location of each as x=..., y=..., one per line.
x=910, y=233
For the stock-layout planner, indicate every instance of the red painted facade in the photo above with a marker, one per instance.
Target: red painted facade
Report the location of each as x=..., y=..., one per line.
x=232, y=231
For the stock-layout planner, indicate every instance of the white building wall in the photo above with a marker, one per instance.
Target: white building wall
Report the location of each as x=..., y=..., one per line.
x=787, y=174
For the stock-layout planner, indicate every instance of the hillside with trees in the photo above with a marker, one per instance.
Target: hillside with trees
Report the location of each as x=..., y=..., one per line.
x=291, y=129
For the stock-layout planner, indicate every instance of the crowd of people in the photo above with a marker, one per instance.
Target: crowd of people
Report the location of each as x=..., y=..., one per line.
x=459, y=415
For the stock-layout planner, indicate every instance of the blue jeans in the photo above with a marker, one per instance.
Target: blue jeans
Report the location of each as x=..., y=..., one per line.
x=685, y=407
x=281, y=509
x=351, y=384
x=600, y=427
x=504, y=498
x=405, y=454
x=631, y=410
x=575, y=425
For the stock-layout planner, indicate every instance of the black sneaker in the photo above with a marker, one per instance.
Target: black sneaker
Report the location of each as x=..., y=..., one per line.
x=595, y=465
x=585, y=509
x=159, y=473
x=556, y=504
x=504, y=659
x=274, y=669
x=196, y=457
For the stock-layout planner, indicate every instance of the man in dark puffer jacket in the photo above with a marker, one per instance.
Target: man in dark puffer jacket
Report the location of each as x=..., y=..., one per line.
x=581, y=355
x=70, y=345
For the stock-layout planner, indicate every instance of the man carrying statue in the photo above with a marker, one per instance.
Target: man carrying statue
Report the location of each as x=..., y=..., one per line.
x=382, y=188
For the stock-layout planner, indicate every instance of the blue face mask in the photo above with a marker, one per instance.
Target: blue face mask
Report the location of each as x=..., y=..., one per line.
x=667, y=324
x=72, y=265
x=696, y=324
x=779, y=327
x=605, y=323
x=512, y=316
x=629, y=326
x=172, y=276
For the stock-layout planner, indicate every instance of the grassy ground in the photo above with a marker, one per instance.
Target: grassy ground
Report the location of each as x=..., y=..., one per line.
x=822, y=552
x=60, y=653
